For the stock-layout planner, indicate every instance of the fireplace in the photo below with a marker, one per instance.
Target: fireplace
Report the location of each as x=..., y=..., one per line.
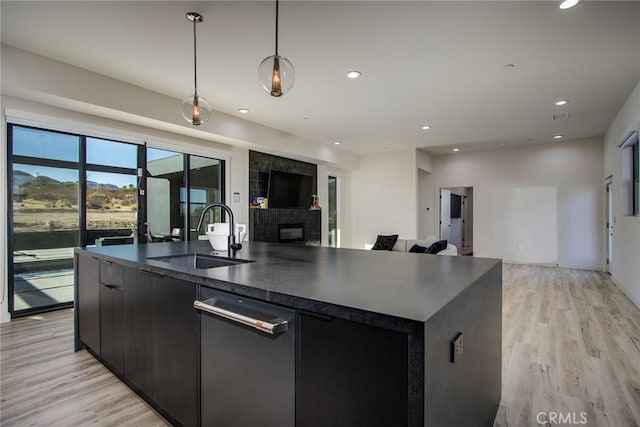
x=291, y=233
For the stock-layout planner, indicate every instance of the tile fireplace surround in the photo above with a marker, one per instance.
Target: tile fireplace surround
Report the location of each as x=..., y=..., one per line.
x=265, y=225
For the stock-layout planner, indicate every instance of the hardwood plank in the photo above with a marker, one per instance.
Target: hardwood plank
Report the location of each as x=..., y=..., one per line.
x=44, y=383
x=571, y=344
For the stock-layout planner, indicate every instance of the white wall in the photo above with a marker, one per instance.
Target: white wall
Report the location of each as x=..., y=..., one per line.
x=426, y=210
x=424, y=163
x=239, y=183
x=573, y=169
x=347, y=209
x=384, y=197
x=625, y=269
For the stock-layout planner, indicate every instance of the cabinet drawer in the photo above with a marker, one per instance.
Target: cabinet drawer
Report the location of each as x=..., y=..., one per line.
x=110, y=274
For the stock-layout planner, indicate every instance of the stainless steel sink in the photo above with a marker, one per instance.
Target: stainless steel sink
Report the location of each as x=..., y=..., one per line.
x=199, y=261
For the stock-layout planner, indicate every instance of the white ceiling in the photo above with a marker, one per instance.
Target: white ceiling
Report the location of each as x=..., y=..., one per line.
x=422, y=62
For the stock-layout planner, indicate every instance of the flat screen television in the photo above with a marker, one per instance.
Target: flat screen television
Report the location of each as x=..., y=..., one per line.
x=289, y=190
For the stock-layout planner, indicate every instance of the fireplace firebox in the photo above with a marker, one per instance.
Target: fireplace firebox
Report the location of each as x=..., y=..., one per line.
x=291, y=233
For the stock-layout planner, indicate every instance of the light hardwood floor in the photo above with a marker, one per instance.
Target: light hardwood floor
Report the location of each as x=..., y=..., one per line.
x=44, y=383
x=571, y=344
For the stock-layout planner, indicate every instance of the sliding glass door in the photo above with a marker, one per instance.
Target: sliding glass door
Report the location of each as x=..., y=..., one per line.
x=165, y=177
x=43, y=216
x=179, y=186
x=205, y=186
x=70, y=190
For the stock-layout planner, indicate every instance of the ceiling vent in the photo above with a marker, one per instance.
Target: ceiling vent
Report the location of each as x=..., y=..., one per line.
x=561, y=116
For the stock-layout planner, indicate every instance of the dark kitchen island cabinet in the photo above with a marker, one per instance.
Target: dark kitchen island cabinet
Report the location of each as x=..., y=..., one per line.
x=176, y=349
x=87, y=296
x=374, y=341
x=148, y=335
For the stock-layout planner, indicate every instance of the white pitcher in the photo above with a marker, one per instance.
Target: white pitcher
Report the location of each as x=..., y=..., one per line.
x=218, y=234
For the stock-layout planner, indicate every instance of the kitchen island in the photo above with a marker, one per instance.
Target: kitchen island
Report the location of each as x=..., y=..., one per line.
x=375, y=338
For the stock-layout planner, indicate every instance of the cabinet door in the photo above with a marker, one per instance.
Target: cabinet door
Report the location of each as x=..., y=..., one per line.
x=351, y=374
x=111, y=316
x=175, y=343
x=111, y=327
x=88, y=304
x=138, y=329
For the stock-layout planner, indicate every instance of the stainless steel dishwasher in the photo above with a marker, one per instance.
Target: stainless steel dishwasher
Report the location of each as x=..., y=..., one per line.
x=247, y=361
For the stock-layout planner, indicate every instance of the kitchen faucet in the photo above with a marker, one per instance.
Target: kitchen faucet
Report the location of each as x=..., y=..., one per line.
x=231, y=244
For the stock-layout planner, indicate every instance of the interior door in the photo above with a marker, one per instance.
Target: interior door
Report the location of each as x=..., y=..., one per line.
x=445, y=214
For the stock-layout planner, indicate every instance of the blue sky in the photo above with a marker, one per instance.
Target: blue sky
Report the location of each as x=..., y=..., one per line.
x=43, y=144
x=58, y=146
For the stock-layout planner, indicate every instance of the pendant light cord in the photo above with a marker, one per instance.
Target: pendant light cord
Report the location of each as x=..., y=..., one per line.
x=277, y=4
x=195, y=59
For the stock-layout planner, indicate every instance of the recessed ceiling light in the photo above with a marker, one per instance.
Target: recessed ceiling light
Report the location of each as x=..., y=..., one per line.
x=567, y=4
x=243, y=110
x=456, y=149
x=337, y=142
x=557, y=136
x=562, y=102
x=426, y=127
x=354, y=74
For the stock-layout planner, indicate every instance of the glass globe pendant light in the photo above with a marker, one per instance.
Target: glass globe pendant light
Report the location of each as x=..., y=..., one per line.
x=275, y=72
x=195, y=109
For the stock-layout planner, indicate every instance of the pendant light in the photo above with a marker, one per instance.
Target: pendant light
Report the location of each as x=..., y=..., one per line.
x=195, y=109
x=275, y=72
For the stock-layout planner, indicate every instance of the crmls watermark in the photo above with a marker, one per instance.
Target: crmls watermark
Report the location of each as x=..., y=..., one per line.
x=562, y=418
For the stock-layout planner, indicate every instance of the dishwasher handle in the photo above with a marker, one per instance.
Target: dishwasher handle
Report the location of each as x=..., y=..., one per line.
x=262, y=325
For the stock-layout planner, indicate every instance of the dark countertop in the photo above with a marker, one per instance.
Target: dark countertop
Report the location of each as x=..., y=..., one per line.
x=324, y=280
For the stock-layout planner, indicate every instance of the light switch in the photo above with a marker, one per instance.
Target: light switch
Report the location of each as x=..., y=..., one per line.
x=456, y=348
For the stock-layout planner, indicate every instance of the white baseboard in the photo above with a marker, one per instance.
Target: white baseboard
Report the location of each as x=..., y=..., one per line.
x=545, y=264
x=625, y=292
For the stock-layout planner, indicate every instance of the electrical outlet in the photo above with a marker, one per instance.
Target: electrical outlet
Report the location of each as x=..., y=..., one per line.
x=457, y=345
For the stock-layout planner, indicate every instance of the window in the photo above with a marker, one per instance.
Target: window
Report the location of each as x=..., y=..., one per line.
x=68, y=190
x=630, y=175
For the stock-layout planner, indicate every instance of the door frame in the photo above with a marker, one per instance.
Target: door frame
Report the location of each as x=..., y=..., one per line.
x=338, y=180
x=467, y=217
x=609, y=222
x=441, y=218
